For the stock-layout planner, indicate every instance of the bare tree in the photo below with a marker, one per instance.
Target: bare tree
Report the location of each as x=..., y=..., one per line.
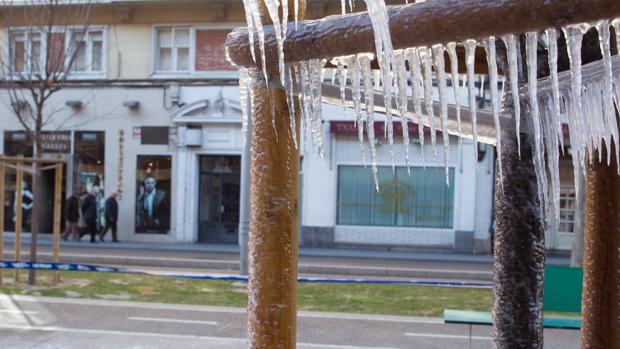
x=47, y=45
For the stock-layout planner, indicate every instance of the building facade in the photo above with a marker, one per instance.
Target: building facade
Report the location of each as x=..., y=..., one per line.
x=152, y=113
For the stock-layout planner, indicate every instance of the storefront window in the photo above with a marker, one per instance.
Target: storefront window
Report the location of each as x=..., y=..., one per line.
x=420, y=199
x=154, y=176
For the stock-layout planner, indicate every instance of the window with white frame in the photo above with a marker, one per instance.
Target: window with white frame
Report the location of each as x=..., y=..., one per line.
x=26, y=52
x=188, y=50
x=568, y=204
x=35, y=50
x=86, y=51
x=173, y=49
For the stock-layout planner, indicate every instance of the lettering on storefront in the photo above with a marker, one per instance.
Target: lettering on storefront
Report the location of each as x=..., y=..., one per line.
x=350, y=128
x=56, y=142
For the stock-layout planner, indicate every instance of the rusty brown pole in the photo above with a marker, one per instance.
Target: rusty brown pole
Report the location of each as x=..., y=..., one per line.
x=601, y=282
x=421, y=24
x=273, y=238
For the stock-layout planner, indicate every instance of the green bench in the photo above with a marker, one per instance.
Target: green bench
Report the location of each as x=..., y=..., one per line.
x=563, y=287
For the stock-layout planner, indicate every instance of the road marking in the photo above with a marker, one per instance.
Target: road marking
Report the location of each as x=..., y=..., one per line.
x=154, y=319
x=447, y=336
x=18, y=312
x=212, y=340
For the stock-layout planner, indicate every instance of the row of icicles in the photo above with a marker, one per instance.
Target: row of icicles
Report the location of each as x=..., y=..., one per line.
x=586, y=106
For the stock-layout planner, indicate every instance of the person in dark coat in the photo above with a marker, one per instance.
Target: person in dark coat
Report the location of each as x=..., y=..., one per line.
x=72, y=215
x=111, y=218
x=89, y=212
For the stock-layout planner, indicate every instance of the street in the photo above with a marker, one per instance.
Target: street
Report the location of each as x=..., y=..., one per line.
x=42, y=323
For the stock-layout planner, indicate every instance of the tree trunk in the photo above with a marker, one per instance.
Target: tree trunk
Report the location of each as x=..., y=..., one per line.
x=601, y=282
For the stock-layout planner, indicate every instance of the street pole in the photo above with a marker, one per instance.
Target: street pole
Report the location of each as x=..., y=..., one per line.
x=18, y=213
x=2, y=175
x=244, y=205
x=274, y=212
x=601, y=281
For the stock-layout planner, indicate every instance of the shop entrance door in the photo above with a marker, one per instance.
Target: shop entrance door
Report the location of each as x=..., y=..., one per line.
x=220, y=183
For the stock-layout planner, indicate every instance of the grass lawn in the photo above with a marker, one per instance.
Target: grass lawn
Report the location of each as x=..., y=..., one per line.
x=348, y=298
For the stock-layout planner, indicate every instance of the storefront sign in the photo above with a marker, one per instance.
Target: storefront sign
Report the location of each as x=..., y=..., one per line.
x=56, y=142
x=350, y=128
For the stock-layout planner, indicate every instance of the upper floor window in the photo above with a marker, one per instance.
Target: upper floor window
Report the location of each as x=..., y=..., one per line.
x=76, y=51
x=26, y=52
x=86, y=51
x=190, y=50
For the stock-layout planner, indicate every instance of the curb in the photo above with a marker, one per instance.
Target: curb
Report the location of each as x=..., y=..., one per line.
x=230, y=266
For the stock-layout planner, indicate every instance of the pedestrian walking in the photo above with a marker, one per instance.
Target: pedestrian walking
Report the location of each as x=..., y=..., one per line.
x=111, y=218
x=89, y=212
x=72, y=214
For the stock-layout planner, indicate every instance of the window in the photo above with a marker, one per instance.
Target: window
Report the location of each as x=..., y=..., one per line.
x=173, y=46
x=35, y=50
x=568, y=203
x=86, y=51
x=420, y=199
x=190, y=50
x=26, y=52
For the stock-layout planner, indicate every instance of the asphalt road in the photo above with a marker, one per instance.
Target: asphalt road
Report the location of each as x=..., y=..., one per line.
x=42, y=323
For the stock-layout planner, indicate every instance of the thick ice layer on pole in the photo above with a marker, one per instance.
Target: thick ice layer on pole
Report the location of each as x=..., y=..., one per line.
x=245, y=83
x=440, y=69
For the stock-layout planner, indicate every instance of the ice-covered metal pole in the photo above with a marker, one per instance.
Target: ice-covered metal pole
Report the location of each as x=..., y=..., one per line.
x=519, y=250
x=422, y=24
x=601, y=286
x=273, y=250
x=519, y=241
x=244, y=205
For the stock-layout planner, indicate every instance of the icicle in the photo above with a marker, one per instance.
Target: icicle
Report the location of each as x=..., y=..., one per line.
x=616, y=24
x=306, y=103
x=272, y=9
x=354, y=67
x=343, y=5
x=342, y=79
x=552, y=38
x=440, y=71
x=315, y=71
x=296, y=9
x=244, y=89
x=380, y=20
x=470, y=60
x=574, y=37
x=553, y=156
x=513, y=71
x=257, y=25
x=489, y=46
x=531, y=44
x=609, y=111
x=482, y=86
x=251, y=26
x=417, y=92
x=454, y=68
x=401, y=78
x=427, y=70
x=367, y=75
x=290, y=101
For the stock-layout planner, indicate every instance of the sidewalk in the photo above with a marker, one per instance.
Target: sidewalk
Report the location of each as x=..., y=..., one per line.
x=312, y=261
